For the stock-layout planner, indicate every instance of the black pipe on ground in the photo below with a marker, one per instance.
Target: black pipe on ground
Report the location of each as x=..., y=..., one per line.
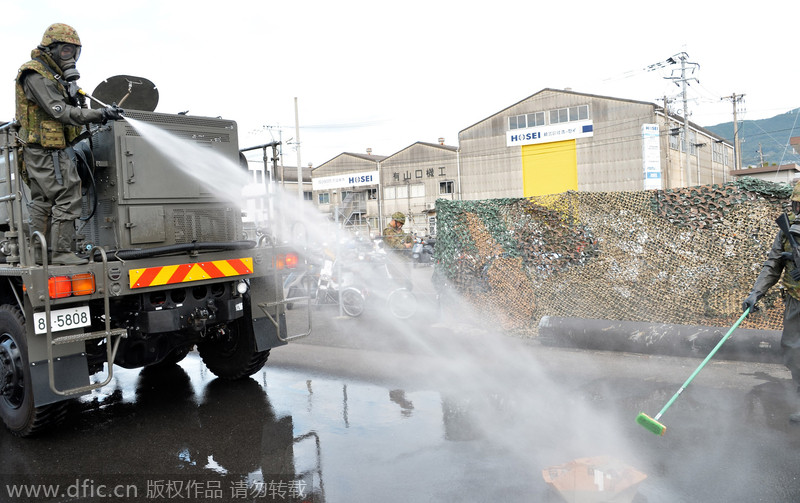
x=744, y=344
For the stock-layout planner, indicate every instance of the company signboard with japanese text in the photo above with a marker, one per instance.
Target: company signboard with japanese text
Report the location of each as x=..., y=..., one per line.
x=651, y=156
x=549, y=133
x=347, y=180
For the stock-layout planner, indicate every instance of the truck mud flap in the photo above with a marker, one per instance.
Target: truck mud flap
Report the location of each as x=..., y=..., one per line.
x=70, y=372
x=260, y=306
x=266, y=332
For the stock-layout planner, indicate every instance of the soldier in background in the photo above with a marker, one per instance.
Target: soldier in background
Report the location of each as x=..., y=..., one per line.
x=393, y=234
x=52, y=114
x=775, y=265
x=400, y=243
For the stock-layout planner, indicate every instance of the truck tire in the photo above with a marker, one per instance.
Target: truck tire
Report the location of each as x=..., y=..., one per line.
x=233, y=356
x=17, y=408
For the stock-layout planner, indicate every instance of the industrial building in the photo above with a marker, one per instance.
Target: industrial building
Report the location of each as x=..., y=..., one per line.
x=555, y=141
x=550, y=142
x=785, y=173
x=346, y=187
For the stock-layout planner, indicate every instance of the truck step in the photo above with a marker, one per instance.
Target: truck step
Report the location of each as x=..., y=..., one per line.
x=100, y=334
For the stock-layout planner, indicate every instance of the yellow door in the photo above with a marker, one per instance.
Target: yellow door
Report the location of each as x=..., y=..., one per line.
x=549, y=168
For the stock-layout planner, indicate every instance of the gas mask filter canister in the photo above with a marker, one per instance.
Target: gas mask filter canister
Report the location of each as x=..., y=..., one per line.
x=66, y=55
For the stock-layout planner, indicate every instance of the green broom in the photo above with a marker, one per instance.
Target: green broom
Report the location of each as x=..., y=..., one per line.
x=651, y=423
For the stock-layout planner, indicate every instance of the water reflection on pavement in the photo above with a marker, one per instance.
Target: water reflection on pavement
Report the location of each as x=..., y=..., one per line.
x=341, y=440
x=370, y=416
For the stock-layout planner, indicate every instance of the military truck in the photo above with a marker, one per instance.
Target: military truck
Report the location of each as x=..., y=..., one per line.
x=169, y=270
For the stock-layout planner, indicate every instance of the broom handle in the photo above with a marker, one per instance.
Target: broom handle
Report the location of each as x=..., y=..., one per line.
x=698, y=369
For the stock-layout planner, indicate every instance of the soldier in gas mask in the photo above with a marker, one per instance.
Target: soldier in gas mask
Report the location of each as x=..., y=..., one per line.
x=52, y=114
x=779, y=263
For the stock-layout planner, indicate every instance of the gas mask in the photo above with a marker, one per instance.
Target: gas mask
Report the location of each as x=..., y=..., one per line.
x=66, y=55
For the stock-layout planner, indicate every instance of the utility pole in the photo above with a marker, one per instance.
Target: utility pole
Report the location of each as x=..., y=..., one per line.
x=685, y=65
x=297, y=140
x=280, y=156
x=737, y=158
x=667, y=178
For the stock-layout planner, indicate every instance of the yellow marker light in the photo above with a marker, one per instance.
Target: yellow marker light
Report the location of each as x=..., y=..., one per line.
x=83, y=284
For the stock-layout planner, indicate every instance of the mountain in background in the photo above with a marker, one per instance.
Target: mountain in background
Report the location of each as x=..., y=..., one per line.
x=772, y=135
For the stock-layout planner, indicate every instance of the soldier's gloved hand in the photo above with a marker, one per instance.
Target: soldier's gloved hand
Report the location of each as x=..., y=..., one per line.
x=750, y=302
x=73, y=92
x=113, y=113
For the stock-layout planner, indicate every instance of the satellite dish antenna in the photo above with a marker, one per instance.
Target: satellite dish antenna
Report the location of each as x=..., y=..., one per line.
x=133, y=93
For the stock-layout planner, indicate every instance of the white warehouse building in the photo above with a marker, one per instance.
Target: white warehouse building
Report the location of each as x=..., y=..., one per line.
x=550, y=142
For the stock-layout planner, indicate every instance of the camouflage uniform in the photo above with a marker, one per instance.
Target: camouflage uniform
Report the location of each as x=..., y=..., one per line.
x=395, y=237
x=49, y=123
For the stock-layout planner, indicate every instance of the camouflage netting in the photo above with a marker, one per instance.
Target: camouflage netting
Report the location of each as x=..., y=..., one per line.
x=684, y=256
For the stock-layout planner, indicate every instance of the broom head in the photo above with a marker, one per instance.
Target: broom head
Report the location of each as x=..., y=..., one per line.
x=651, y=424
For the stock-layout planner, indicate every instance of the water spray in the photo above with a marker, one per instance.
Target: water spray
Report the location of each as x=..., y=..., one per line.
x=651, y=423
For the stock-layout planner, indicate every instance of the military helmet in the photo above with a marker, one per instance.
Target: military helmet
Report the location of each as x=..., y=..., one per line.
x=399, y=217
x=60, y=32
x=796, y=192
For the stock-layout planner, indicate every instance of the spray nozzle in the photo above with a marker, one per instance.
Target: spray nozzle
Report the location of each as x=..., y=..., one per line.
x=112, y=112
x=84, y=93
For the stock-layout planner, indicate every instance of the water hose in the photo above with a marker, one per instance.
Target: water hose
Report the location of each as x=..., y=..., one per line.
x=651, y=423
x=137, y=253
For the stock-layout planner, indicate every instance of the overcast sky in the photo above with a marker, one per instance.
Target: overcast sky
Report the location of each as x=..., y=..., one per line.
x=383, y=75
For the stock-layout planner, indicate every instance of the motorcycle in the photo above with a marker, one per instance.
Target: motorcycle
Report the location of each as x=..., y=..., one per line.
x=336, y=286
x=295, y=286
x=358, y=276
x=422, y=251
x=301, y=283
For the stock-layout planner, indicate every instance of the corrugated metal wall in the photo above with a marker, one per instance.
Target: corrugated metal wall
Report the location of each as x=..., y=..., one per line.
x=485, y=167
x=416, y=173
x=610, y=160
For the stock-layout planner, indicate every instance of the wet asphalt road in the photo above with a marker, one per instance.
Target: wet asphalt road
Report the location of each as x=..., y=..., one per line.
x=431, y=409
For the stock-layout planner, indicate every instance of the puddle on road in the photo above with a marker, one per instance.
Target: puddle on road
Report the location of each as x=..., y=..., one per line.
x=344, y=440
x=348, y=440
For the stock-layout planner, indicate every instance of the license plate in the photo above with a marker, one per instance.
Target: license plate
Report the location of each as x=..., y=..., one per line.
x=62, y=319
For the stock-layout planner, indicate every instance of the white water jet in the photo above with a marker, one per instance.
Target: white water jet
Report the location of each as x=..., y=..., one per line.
x=508, y=395
x=226, y=178
x=222, y=176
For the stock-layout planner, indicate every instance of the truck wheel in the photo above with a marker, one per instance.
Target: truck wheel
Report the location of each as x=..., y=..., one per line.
x=233, y=355
x=16, y=394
